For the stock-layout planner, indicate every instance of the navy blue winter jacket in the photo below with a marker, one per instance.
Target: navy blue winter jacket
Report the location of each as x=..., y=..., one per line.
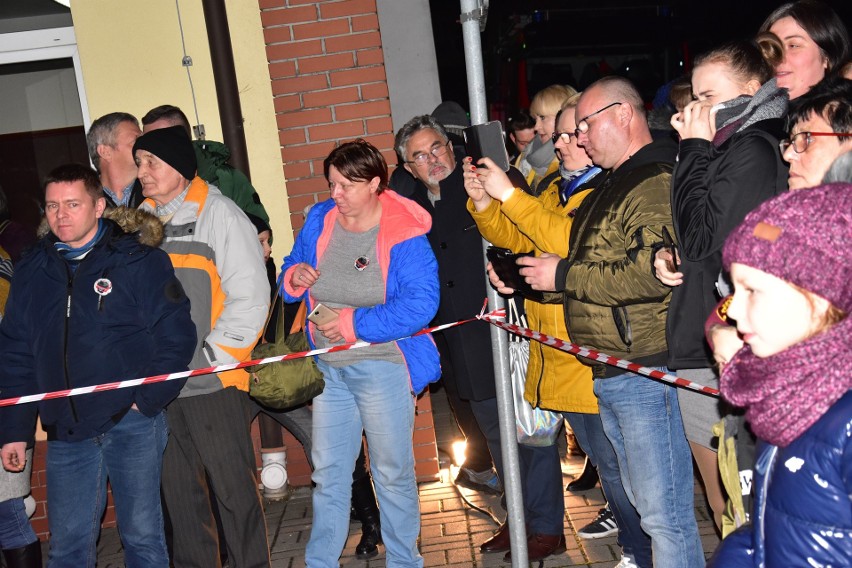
x=60, y=333
x=803, y=501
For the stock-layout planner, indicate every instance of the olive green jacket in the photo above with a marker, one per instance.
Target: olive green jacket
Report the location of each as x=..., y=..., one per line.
x=613, y=301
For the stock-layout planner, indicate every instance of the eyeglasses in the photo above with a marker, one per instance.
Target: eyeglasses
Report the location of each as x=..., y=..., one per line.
x=564, y=136
x=802, y=140
x=437, y=152
x=583, y=123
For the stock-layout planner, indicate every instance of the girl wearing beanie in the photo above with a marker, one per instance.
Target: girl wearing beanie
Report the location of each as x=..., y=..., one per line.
x=791, y=265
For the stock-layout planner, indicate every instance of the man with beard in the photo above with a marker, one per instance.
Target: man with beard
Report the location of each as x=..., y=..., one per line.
x=468, y=373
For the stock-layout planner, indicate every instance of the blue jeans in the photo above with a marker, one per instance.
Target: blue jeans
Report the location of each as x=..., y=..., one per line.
x=589, y=431
x=641, y=418
x=130, y=455
x=15, y=528
x=374, y=396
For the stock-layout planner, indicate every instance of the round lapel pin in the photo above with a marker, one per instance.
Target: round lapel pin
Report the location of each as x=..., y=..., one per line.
x=103, y=286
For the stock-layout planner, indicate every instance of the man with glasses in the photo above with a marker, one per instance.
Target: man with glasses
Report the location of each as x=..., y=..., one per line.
x=613, y=303
x=468, y=375
x=820, y=131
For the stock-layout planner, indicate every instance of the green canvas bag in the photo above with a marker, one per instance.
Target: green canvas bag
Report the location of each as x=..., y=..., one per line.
x=285, y=384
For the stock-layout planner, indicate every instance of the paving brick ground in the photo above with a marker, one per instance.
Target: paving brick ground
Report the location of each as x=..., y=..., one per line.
x=451, y=530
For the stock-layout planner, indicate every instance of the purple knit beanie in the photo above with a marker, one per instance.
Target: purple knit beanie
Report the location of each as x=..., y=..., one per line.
x=803, y=237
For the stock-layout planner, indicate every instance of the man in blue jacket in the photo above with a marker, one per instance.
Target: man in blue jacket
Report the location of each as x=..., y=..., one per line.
x=91, y=304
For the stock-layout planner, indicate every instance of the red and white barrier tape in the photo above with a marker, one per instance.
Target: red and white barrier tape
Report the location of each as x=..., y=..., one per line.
x=496, y=319
x=206, y=371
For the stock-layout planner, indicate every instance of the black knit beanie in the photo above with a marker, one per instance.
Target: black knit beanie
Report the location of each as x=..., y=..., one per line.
x=173, y=146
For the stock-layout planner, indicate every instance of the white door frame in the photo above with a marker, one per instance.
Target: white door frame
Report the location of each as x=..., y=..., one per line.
x=41, y=45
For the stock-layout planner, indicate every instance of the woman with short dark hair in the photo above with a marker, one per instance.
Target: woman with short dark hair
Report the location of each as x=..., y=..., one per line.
x=816, y=44
x=363, y=254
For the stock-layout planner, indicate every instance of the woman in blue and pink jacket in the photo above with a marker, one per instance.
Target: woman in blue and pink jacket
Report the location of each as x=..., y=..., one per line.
x=364, y=254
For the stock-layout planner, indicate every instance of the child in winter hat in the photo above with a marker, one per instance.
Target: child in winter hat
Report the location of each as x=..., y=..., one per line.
x=791, y=265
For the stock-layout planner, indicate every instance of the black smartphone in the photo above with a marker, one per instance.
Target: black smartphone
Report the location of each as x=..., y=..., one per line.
x=486, y=140
x=669, y=244
x=505, y=265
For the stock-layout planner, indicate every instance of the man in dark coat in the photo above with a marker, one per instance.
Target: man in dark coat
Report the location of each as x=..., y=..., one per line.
x=465, y=350
x=91, y=304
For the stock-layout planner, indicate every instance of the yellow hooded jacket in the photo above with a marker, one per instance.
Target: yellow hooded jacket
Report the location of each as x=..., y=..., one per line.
x=556, y=380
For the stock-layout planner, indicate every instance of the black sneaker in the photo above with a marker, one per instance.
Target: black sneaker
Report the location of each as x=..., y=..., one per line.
x=603, y=525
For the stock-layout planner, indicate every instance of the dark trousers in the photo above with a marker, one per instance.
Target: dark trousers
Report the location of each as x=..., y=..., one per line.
x=541, y=474
x=210, y=438
x=477, y=454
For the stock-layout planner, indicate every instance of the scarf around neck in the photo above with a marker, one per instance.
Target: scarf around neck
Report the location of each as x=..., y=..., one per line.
x=541, y=156
x=573, y=179
x=73, y=256
x=737, y=114
x=786, y=394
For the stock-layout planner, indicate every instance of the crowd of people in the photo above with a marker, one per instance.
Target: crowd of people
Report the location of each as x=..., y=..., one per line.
x=716, y=249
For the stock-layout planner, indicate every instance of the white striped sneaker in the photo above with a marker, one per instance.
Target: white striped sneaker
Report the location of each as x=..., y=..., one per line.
x=603, y=525
x=626, y=562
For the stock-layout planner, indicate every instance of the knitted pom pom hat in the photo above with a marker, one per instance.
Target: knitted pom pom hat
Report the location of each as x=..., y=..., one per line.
x=803, y=237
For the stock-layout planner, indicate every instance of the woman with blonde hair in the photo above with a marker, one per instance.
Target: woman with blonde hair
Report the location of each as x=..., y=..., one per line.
x=728, y=164
x=539, y=163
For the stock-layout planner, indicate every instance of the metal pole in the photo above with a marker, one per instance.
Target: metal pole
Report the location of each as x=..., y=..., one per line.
x=471, y=13
x=225, y=78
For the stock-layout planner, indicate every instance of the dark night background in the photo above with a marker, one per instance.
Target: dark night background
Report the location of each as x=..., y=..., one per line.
x=552, y=41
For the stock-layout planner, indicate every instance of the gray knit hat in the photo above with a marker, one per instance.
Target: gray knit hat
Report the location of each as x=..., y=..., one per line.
x=803, y=237
x=452, y=117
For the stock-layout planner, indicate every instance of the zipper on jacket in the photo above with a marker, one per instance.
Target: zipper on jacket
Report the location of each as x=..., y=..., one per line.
x=768, y=463
x=65, y=345
x=101, y=296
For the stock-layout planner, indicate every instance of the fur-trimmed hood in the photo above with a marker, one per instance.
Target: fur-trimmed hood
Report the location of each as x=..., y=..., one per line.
x=146, y=226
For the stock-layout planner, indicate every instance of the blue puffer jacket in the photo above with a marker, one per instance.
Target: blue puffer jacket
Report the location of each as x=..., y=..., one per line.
x=803, y=501
x=60, y=333
x=411, y=282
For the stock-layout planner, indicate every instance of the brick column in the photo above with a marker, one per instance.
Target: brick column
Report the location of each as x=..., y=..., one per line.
x=328, y=83
x=329, y=86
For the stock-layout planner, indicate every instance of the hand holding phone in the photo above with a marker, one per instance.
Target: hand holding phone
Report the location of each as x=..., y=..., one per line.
x=668, y=243
x=486, y=140
x=321, y=315
x=505, y=265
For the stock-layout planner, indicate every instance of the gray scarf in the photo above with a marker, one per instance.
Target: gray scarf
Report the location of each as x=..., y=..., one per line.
x=769, y=101
x=541, y=155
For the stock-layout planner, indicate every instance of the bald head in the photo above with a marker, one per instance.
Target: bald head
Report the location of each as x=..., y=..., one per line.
x=623, y=90
x=611, y=121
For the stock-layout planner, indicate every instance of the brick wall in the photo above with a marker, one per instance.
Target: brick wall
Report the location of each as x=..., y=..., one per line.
x=329, y=85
